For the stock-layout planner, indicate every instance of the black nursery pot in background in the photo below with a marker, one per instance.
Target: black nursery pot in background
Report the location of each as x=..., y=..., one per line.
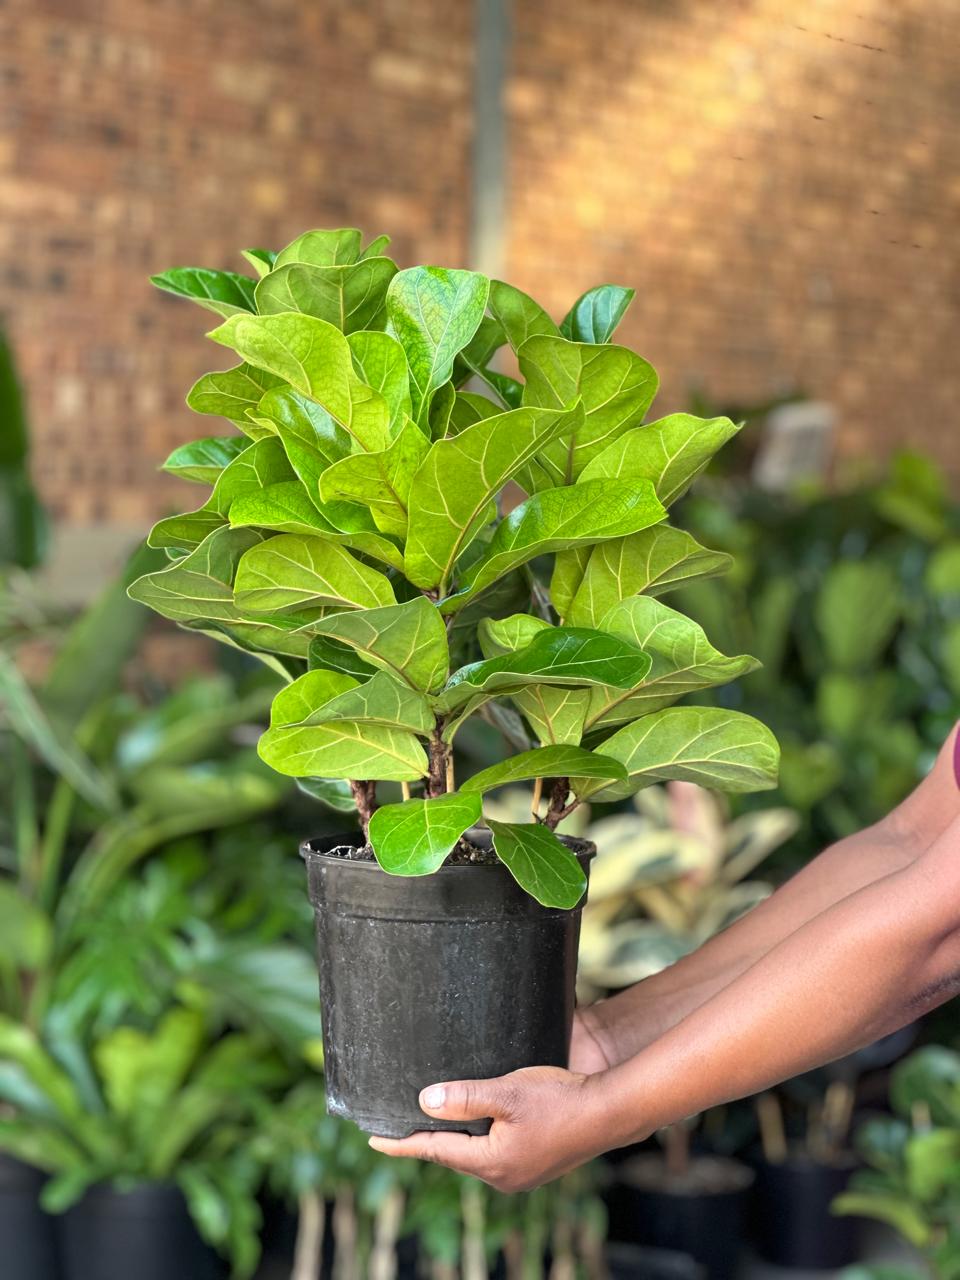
x=143, y=1234
x=28, y=1236
x=455, y=975
x=793, y=1224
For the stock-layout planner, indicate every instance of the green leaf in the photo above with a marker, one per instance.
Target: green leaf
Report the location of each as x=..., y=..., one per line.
x=336, y=795
x=857, y=611
x=290, y=570
x=381, y=481
x=231, y=392
x=284, y=508
x=469, y=408
x=587, y=583
x=350, y=297
x=546, y=762
x=904, y=1217
x=518, y=315
x=723, y=750
x=382, y=365
x=315, y=358
x=261, y=260
x=344, y=750
x=556, y=519
x=595, y=314
x=320, y=696
x=616, y=387
x=554, y=715
x=198, y=587
x=323, y=248
x=505, y=635
x=415, y=838
x=540, y=863
x=26, y=930
x=311, y=438
x=223, y=292
x=931, y=1076
x=142, y=1071
x=561, y=656
x=376, y=247
x=203, y=460
x=670, y=453
x=932, y=1160
x=434, y=312
x=683, y=660
x=451, y=493
x=409, y=640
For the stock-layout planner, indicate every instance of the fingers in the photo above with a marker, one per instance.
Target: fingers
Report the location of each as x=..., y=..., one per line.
x=455, y=1150
x=472, y=1099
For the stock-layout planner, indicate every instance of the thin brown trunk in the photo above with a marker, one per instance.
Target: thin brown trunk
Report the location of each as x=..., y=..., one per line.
x=345, y=1236
x=308, y=1252
x=440, y=757
x=383, y=1260
x=365, y=798
x=557, y=810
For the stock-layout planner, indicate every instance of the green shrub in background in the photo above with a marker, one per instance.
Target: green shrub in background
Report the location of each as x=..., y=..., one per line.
x=22, y=521
x=912, y=1179
x=852, y=602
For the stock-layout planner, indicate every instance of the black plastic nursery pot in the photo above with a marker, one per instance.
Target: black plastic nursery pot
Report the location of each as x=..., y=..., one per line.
x=793, y=1224
x=143, y=1234
x=451, y=976
x=703, y=1216
x=636, y=1262
x=28, y=1236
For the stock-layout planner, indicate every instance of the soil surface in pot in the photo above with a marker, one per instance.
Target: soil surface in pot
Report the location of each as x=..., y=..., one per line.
x=704, y=1176
x=464, y=855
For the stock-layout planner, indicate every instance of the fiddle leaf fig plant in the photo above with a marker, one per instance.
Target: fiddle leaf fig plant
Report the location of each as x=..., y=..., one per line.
x=413, y=536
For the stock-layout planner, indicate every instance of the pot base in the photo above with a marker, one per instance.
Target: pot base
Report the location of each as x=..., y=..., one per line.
x=372, y=1123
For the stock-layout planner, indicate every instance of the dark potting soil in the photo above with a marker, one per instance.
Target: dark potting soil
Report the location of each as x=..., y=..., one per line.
x=464, y=855
x=704, y=1176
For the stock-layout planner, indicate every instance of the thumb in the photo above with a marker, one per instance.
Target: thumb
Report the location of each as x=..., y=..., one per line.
x=471, y=1099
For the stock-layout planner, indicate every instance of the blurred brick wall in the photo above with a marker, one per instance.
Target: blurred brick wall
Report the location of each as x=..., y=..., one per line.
x=780, y=182
x=137, y=135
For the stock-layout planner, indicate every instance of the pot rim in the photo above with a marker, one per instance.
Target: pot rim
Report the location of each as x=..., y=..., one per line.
x=583, y=850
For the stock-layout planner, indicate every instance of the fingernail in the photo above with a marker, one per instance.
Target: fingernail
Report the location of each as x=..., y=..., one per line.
x=433, y=1097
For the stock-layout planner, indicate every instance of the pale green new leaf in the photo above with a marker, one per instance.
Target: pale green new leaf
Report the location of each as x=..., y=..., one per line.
x=451, y=493
x=382, y=365
x=615, y=385
x=409, y=640
x=683, y=660
x=723, y=750
x=223, y=292
x=381, y=481
x=315, y=358
x=350, y=297
x=344, y=750
x=198, y=587
x=321, y=696
x=416, y=837
x=518, y=315
x=595, y=314
x=376, y=247
x=670, y=453
x=290, y=571
x=556, y=519
x=546, y=762
x=540, y=863
x=434, y=312
x=261, y=260
x=312, y=440
x=203, y=460
x=554, y=715
x=586, y=584
x=231, y=392
x=322, y=248
x=505, y=635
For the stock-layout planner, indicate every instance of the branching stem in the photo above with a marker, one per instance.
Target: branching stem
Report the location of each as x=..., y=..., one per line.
x=365, y=798
x=440, y=776
x=558, y=809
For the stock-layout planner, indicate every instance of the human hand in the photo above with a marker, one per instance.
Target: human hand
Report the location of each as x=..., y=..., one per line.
x=546, y=1121
x=588, y=1053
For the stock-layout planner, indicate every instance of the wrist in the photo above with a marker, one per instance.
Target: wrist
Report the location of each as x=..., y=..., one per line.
x=612, y=1114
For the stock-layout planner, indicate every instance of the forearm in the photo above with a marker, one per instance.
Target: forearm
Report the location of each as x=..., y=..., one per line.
x=860, y=969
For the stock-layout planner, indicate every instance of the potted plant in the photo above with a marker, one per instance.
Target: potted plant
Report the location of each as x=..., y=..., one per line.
x=357, y=538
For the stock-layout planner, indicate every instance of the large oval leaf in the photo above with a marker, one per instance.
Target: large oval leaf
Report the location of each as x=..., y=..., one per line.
x=545, y=762
x=409, y=640
x=670, y=453
x=540, y=863
x=319, y=697
x=223, y=292
x=290, y=571
x=415, y=838
x=350, y=297
x=595, y=314
x=203, y=460
x=343, y=750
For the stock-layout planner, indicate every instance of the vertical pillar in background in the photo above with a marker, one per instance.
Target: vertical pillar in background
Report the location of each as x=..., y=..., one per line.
x=489, y=158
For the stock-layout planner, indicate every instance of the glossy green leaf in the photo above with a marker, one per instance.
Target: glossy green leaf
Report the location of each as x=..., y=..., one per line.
x=683, y=660
x=381, y=480
x=223, y=292
x=380, y=361
x=312, y=439
x=556, y=519
x=261, y=260
x=199, y=586
x=376, y=247
x=321, y=696
x=434, y=312
x=723, y=750
x=554, y=715
x=290, y=571
x=587, y=583
x=453, y=489
x=540, y=863
x=231, y=392
x=315, y=358
x=350, y=297
x=518, y=315
x=616, y=387
x=546, y=762
x=562, y=656
x=344, y=750
x=505, y=635
x=670, y=453
x=595, y=314
x=409, y=640
x=203, y=460
x=416, y=837
x=323, y=248
x=468, y=408
x=334, y=793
